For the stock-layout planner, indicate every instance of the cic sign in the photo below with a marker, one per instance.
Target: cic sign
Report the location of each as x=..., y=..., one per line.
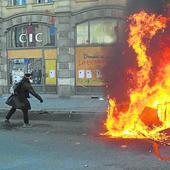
x=30, y=37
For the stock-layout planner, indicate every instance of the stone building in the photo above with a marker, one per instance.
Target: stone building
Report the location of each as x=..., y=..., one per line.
x=63, y=43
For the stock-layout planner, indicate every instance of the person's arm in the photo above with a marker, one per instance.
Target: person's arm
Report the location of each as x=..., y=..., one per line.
x=32, y=91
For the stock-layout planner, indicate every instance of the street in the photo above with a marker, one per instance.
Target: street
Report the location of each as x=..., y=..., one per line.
x=73, y=144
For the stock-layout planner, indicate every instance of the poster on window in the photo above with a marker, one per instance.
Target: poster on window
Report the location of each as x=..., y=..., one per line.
x=89, y=64
x=88, y=74
x=50, y=70
x=52, y=74
x=98, y=73
x=81, y=74
x=17, y=75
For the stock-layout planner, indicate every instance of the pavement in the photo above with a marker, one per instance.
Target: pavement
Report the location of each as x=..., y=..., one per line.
x=57, y=107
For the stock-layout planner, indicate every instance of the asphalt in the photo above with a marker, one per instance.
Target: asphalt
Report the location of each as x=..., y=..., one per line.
x=73, y=146
x=58, y=108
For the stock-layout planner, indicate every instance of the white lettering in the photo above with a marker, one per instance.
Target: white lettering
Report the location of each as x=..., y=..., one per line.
x=30, y=38
x=22, y=38
x=37, y=37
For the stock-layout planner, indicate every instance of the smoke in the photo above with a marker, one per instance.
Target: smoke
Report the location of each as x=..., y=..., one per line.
x=117, y=72
x=120, y=68
x=151, y=6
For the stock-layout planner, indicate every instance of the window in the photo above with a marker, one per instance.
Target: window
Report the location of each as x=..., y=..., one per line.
x=17, y=2
x=52, y=32
x=18, y=67
x=82, y=33
x=43, y=1
x=31, y=35
x=35, y=68
x=102, y=31
x=16, y=33
x=96, y=32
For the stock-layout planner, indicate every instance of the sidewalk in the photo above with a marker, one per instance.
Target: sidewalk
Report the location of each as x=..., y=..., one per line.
x=53, y=103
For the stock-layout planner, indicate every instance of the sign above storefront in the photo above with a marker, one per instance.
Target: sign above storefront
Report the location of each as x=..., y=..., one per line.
x=30, y=37
x=27, y=53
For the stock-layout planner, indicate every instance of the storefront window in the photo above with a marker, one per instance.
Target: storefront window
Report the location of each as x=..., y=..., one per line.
x=31, y=35
x=18, y=67
x=102, y=31
x=82, y=33
x=16, y=2
x=35, y=68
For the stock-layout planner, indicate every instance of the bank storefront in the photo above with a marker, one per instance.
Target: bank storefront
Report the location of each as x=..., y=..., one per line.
x=31, y=47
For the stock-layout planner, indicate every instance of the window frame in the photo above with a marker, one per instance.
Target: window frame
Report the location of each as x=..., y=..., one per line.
x=89, y=36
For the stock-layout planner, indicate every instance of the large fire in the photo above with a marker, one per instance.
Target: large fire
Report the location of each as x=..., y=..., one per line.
x=148, y=112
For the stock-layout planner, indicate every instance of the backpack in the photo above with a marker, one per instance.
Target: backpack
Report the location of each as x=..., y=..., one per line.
x=14, y=88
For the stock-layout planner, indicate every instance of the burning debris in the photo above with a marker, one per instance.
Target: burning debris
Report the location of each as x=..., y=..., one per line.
x=144, y=111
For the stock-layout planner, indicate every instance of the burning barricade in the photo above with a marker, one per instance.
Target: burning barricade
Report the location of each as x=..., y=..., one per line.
x=147, y=111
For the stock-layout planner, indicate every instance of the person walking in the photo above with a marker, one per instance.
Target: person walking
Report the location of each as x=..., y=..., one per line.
x=19, y=100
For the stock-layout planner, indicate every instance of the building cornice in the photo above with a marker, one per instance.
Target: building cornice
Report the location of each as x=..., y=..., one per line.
x=43, y=13
x=118, y=7
x=87, y=9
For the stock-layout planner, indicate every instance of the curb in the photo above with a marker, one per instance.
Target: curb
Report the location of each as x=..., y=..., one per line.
x=55, y=115
x=57, y=111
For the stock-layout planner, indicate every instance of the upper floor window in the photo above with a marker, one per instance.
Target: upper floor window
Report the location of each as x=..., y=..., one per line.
x=43, y=1
x=31, y=35
x=102, y=31
x=17, y=2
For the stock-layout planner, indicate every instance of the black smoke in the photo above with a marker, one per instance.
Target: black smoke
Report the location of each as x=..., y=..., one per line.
x=151, y=6
x=120, y=68
x=117, y=72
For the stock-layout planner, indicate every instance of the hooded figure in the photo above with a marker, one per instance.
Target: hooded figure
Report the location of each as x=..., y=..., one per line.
x=19, y=100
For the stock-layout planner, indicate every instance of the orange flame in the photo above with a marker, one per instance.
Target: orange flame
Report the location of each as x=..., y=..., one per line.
x=145, y=101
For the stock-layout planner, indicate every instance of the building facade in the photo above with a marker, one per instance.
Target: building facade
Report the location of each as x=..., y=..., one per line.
x=63, y=43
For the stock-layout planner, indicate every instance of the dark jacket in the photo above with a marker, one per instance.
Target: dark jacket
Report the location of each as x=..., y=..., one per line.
x=19, y=100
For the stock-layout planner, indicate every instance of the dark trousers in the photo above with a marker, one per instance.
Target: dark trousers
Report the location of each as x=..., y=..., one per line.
x=25, y=114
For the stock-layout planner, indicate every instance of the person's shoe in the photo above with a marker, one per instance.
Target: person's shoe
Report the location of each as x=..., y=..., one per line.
x=6, y=121
x=26, y=125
